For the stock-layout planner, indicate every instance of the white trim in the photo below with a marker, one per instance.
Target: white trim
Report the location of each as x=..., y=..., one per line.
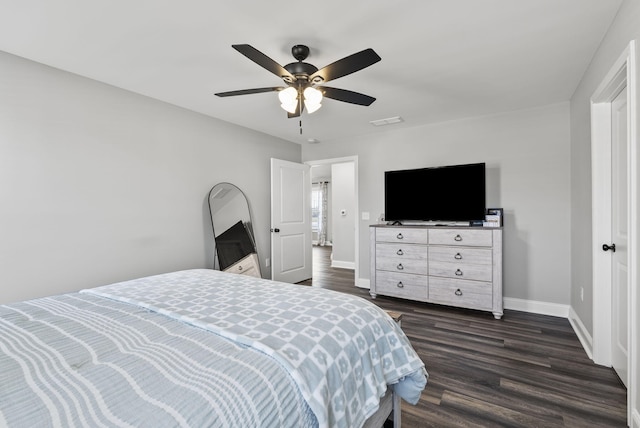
x=536, y=307
x=342, y=264
x=633, y=396
x=581, y=331
x=622, y=73
x=363, y=283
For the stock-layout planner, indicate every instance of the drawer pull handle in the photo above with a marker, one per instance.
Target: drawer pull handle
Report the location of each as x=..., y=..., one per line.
x=240, y=267
x=458, y=272
x=458, y=238
x=458, y=292
x=400, y=252
x=458, y=256
x=399, y=236
x=400, y=285
x=400, y=267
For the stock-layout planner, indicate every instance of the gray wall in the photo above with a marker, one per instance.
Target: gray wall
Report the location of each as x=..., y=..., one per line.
x=528, y=160
x=626, y=27
x=99, y=185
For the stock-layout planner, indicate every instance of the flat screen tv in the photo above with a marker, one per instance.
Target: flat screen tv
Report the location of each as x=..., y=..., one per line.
x=454, y=193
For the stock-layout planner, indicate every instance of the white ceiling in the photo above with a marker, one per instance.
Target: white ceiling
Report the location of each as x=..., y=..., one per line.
x=441, y=59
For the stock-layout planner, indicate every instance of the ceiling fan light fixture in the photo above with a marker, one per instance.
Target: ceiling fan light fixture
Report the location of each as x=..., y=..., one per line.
x=289, y=99
x=312, y=99
x=302, y=79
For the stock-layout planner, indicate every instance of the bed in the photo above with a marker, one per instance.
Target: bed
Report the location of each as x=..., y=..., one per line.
x=202, y=348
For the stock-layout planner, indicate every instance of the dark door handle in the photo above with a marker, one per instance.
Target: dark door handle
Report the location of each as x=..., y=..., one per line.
x=276, y=230
x=611, y=247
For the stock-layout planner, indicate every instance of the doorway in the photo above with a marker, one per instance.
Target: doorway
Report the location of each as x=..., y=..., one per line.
x=344, y=223
x=615, y=217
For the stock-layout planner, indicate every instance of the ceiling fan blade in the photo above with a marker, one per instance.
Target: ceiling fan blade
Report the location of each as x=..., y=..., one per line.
x=263, y=61
x=347, y=96
x=347, y=65
x=249, y=91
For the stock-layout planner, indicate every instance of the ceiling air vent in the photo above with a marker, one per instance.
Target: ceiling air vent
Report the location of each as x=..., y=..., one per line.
x=387, y=121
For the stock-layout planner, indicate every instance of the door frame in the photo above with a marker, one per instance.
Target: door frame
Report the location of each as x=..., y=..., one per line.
x=622, y=73
x=354, y=160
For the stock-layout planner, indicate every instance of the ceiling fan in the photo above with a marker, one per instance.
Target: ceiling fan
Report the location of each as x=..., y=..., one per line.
x=302, y=79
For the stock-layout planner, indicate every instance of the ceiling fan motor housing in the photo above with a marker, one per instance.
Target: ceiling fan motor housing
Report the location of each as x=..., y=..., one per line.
x=301, y=69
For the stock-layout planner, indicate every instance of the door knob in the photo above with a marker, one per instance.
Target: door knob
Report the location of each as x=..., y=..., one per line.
x=276, y=230
x=611, y=247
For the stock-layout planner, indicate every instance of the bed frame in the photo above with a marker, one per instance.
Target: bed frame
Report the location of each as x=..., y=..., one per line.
x=389, y=409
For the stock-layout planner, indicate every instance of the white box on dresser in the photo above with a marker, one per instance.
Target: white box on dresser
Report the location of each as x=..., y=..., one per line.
x=456, y=266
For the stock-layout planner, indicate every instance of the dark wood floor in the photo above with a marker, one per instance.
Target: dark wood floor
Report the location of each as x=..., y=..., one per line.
x=525, y=370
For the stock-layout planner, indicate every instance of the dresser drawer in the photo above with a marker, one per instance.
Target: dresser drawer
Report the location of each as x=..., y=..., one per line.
x=399, y=265
x=457, y=292
x=404, y=235
x=401, y=251
x=477, y=256
x=467, y=237
x=461, y=271
x=246, y=266
x=407, y=286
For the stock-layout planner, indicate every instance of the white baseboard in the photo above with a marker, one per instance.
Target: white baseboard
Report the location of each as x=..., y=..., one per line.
x=343, y=264
x=581, y=331
x=536, y=307
x=363, y=283
x=533, y=306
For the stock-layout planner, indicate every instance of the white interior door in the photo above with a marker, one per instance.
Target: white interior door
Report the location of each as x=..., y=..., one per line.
x=619, y=233
x=291, y=251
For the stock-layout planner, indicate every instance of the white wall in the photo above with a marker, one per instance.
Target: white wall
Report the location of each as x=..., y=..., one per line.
x=527, y=157
x=98, y=184
x=343, y=226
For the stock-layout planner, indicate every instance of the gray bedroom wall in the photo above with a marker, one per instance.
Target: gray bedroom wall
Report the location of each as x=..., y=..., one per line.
x=98, y=184
x=624, y=29
x=528, y=161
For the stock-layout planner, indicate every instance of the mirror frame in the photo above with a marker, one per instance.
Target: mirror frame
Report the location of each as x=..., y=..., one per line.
x=245, y=218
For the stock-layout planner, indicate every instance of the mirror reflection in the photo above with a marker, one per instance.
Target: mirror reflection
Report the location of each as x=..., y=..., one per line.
x=235, y=249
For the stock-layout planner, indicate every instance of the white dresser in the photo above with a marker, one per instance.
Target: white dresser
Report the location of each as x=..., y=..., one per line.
x=249, y=265
x=457, y=266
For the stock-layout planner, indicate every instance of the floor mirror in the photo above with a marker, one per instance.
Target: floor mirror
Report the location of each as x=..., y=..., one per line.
x=235, y=248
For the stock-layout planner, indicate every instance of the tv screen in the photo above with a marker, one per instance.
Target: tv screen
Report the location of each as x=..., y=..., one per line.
x=452, y=193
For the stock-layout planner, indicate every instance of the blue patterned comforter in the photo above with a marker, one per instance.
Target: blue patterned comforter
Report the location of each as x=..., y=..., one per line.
x=127, y=354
